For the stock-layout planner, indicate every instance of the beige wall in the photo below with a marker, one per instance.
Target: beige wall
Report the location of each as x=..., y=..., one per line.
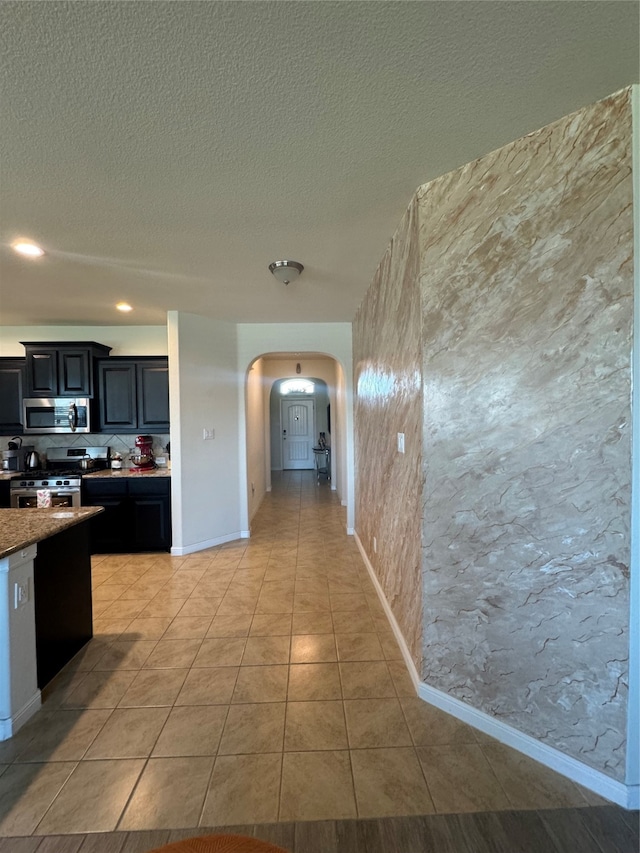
x=123, y=340
x=256, y=476
x=523, y=344
x=203, y=393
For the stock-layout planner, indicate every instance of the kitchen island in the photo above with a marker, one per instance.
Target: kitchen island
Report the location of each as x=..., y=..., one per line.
x=45, y=602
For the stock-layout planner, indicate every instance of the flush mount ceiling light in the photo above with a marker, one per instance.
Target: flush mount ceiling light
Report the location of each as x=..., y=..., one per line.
x=286, y=271
x=27, y=248
x=124, y=306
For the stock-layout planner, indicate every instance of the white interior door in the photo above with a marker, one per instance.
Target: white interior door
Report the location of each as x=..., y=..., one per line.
x=298, y=430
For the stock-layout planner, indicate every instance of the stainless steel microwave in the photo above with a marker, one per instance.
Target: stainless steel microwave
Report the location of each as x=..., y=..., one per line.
x=56, y=414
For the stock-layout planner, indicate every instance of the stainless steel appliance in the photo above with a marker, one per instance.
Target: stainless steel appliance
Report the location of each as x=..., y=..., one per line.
x=79, y=458
x=56, y=414
x=32, y=461
x=63, y=488
x=59, y=483
x=13, y=459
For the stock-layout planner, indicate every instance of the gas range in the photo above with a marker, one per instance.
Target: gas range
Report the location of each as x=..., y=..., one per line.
x=45, y=478
x=59, y=484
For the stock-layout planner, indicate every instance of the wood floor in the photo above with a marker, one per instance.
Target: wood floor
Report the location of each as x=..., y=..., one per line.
x=599, y=829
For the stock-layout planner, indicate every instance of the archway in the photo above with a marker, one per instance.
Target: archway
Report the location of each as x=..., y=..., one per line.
x=264, y=379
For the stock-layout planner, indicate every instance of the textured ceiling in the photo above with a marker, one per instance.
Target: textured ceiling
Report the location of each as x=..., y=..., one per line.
x=164, y=153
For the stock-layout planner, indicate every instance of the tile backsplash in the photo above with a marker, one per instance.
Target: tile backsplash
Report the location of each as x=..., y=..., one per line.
x=117, y=443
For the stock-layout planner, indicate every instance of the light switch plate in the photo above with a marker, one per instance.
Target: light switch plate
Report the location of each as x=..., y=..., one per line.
x=208, y=434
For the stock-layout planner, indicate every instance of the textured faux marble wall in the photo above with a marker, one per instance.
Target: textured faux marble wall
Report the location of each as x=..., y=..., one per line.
x=387, y=366
x=526, y=286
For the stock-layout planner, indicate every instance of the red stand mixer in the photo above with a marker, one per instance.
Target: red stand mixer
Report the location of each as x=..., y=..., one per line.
x=142, y=454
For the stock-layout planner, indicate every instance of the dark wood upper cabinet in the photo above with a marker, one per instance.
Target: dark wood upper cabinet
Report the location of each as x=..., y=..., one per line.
x=62, y=369
x=152, y=380
x=12, y=372
x=117, y=395
x=134, y=394
x=42, y=373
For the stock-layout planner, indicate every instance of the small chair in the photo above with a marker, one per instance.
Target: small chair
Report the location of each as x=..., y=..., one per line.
x=220, y=844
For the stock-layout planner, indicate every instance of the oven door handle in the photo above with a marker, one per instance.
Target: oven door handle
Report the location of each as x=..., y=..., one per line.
x=73, y=417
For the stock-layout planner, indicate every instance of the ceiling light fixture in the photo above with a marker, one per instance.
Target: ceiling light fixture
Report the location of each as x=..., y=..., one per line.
x=124, y=306
x=28, y=249
x=286, y=271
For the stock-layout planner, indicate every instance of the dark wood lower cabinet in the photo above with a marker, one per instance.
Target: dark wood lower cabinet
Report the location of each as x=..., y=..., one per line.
x=63, y=605
x=151, y=511
x=137, y=514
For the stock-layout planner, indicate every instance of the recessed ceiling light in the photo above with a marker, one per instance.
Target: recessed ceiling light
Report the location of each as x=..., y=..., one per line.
x=124, y=306
x=28, y=249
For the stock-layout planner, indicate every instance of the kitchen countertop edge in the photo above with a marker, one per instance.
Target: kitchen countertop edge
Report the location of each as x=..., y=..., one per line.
x=111, y=473
x=20, y=528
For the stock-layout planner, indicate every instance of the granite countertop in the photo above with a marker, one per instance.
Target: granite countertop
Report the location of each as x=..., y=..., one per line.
x=22, y=527
x=110, y=473
x=107, y=472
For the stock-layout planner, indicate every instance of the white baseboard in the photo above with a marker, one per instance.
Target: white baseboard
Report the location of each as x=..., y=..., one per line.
x=627, y=796
x=208, y=543
x=406, y=654
x=588, y=777
x=8, y=727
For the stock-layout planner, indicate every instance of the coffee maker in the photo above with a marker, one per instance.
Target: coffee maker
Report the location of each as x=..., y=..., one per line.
x=15, y=457
x=142, y=454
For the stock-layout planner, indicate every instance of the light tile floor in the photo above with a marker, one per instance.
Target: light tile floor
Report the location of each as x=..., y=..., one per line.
x=251, y=683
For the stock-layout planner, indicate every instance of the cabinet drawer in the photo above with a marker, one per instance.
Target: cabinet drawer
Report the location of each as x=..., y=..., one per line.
x=102, y=486
x=152, y=486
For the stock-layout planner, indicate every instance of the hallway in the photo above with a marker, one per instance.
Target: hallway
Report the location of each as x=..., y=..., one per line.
x=254, y=683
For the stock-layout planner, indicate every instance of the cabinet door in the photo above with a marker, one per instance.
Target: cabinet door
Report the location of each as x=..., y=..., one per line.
x=110, y=531
x=74, y=373
x=151, y=522
x=117, y=390
x=11, y=394
x=153, y=396
x=42, y=373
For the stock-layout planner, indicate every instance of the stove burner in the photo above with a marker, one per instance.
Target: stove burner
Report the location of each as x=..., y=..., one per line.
x=48, y=474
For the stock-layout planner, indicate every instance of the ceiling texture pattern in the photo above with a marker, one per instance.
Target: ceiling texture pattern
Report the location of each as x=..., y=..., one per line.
x=164, y=153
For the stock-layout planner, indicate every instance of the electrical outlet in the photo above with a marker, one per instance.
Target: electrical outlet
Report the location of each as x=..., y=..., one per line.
x=400, y=442
x=21, y=594
x=375, y=545
x=208, y=434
